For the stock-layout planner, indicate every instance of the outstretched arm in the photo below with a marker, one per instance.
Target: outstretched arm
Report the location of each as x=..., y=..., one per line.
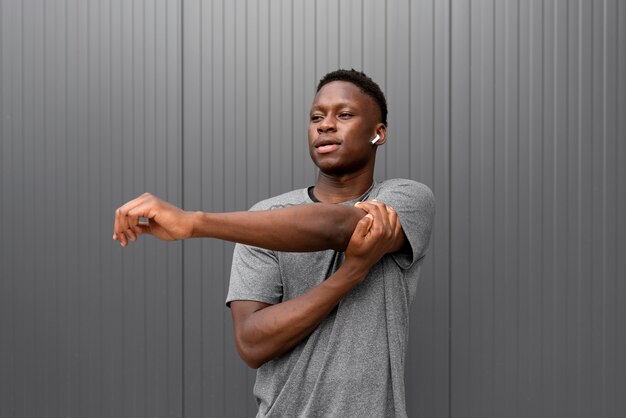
x=263, y=331
x=302, y=228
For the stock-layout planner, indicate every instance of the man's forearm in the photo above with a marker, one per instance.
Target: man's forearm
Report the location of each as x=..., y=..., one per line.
x=303, y=228
x=264, y=334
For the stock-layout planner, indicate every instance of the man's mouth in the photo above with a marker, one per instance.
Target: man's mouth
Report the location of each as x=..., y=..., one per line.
x=324, y=146
x=325, y=149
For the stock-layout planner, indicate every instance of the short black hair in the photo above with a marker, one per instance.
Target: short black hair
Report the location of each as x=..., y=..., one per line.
x=363, y=82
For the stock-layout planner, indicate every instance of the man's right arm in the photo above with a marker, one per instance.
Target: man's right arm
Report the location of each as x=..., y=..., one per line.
x=264, y=332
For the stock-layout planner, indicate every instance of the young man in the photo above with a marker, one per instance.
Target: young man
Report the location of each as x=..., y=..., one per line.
x=323, y=277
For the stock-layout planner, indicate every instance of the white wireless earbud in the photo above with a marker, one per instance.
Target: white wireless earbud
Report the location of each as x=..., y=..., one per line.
x=375, y=140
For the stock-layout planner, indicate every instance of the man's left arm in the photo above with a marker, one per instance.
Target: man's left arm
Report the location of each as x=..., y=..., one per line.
x=300, y=228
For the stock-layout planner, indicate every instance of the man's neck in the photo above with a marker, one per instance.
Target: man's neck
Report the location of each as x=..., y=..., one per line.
x=337, y=189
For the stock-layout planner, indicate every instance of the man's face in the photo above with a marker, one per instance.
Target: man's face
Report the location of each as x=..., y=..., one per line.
x=343, y=120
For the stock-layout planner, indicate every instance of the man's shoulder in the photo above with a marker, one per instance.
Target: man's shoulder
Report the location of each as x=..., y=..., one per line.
x=291, y=198
x=407, y=186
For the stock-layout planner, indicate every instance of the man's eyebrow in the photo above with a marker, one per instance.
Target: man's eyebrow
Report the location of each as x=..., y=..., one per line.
x=334, y=105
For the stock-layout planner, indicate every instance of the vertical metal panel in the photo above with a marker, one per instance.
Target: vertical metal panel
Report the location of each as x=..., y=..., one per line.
x=398, y=89
x=351, y=29
x=91, y=119
x=506, y=200
x=22, y=301
x=534, y=177
x=428, y=140
x=616, y=266
x=328, y=48
x=7, y=368
x=459, y=208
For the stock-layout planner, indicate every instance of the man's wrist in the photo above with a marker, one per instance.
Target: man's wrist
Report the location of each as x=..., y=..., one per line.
x=196, y=219
x=354, y=270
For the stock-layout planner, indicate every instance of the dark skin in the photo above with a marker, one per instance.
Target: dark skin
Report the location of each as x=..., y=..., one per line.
x=342, y=122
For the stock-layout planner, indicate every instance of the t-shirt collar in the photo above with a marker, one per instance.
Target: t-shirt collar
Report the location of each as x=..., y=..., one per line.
x=364, y=196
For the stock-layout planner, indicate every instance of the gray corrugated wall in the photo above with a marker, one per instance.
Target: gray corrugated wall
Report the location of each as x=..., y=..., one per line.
x=513, y=112
x=538, y=196
x=90, y=117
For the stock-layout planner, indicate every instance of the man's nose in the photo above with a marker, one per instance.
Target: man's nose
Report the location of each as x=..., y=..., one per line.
x=327, y=125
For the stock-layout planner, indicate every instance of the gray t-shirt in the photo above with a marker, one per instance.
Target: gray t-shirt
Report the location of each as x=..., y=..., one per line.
x=352, y=364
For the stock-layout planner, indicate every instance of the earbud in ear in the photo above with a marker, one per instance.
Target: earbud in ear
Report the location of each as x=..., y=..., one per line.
x=375, y=140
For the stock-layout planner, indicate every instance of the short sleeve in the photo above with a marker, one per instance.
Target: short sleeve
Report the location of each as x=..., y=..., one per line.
x=415, y=205
x=255, y=275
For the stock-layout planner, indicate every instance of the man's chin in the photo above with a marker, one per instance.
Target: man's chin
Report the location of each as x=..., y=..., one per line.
x=332, y=170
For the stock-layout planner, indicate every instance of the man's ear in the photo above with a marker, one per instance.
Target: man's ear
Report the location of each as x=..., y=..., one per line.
x=381, y=133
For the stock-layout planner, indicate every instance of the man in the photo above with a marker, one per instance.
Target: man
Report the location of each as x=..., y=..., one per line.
x=323, y=277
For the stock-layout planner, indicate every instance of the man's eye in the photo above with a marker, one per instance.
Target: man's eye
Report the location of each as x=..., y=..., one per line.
x=316, y=118
x=344, y=115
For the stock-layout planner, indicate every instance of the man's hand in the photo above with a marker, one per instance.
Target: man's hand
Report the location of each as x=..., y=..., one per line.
x=166, y=221
x=376, y=234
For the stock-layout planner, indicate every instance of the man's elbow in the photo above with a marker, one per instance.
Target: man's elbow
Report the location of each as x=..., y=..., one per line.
x=339, y=242
x=252, y=361
x=251, y=354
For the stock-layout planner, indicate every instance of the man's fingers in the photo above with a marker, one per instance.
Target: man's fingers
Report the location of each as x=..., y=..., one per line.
x=139, y=216
x=364, y=225
x=386, y=222
x=393, y=217
x=382, y=232
x=125, y=227
x=123, y=239
x=370, y=206
x=381, y=218
x=131, y=234
x=143, y=209
x=119, y=227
